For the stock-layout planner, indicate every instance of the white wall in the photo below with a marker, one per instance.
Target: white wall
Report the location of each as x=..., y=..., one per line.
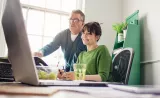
x=150, y=73
x=106, y=12
x=149, y=15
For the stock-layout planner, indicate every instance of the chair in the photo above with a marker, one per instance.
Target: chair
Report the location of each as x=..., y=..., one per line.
x=121, y=65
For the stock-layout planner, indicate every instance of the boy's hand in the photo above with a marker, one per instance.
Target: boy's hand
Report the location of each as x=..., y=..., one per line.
x=70, y=76
x=61, y=74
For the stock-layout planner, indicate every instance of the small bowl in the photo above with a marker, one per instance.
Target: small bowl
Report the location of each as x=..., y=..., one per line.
x=47, y=73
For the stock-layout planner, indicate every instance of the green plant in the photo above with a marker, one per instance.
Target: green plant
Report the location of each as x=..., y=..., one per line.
x=124, y=25
x=118, y=27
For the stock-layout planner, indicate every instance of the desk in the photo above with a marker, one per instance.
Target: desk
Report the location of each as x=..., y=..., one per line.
x=85, y=92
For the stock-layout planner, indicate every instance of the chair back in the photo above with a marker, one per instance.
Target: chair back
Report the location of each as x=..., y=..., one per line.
x=121, y=65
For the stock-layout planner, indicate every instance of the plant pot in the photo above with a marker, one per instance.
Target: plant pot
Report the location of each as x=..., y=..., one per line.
x=124, y=33
x=120, y=37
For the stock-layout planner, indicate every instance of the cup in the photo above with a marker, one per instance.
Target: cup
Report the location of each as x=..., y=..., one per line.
x=79, y=71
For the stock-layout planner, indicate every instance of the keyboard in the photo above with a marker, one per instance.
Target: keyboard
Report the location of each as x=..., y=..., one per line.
x=6, y=74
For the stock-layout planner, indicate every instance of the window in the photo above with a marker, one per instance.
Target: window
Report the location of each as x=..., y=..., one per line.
x=44, y=19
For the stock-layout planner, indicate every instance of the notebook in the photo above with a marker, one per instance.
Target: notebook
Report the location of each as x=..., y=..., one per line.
x=17, y=89
x=19, y=52
x=140, y=89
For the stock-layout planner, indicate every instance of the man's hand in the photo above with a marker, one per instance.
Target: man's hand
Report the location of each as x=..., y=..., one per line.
x=38, y=54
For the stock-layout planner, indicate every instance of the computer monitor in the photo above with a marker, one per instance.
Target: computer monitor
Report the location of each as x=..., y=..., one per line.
x=19, y=52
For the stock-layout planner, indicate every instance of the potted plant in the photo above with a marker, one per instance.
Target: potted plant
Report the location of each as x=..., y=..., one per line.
x=124, y=29
x=118, y=27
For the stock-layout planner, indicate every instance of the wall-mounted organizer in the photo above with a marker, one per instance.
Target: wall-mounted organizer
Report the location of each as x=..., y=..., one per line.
x=132, y=40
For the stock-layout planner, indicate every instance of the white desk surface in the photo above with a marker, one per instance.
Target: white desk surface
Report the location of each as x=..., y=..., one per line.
x=86, y=92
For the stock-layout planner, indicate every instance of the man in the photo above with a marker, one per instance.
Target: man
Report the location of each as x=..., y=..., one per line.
x=69, y=40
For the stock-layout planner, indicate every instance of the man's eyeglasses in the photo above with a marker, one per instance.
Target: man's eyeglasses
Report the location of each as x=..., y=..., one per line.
x=74, y=20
